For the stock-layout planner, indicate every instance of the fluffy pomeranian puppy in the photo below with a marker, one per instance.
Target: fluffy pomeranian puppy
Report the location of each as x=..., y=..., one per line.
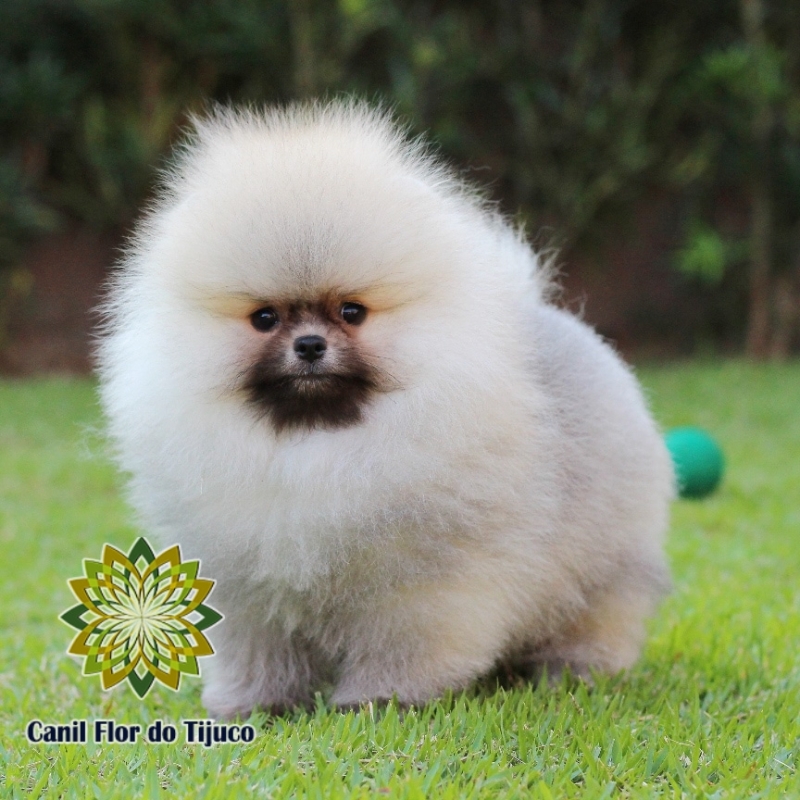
x=333, y=375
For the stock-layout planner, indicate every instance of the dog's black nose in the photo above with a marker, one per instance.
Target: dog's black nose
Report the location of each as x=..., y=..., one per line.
x=310, y=348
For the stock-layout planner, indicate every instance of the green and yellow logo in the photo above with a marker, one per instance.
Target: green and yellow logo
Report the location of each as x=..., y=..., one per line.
x=140, y=617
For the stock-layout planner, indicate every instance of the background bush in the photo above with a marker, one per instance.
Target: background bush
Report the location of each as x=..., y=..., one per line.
x=578, y=108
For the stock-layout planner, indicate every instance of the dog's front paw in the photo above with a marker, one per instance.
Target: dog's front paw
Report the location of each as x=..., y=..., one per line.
x=355, y=693
x=226, y=703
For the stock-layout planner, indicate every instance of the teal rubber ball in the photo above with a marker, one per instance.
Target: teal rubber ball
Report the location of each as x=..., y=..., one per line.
x=698, y=461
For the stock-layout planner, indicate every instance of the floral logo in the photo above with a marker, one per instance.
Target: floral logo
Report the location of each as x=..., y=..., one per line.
x=141, y=617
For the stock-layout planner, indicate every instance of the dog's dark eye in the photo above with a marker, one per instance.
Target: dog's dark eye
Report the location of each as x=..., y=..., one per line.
x=264, y=319
x=353, y=313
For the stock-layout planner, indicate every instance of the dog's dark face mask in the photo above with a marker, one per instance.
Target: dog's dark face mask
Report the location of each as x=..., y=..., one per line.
x=311, y=372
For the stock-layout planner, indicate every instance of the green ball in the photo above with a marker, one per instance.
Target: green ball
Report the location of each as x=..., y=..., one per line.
x=697, y=459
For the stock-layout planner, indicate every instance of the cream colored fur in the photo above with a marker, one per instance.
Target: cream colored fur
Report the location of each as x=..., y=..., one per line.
x=504, y=497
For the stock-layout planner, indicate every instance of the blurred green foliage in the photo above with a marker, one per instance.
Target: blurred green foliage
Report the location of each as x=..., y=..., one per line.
x=705, y=254
x=575, y=109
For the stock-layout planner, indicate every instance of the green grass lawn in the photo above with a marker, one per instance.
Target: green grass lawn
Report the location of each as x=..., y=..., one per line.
x=711, y=710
